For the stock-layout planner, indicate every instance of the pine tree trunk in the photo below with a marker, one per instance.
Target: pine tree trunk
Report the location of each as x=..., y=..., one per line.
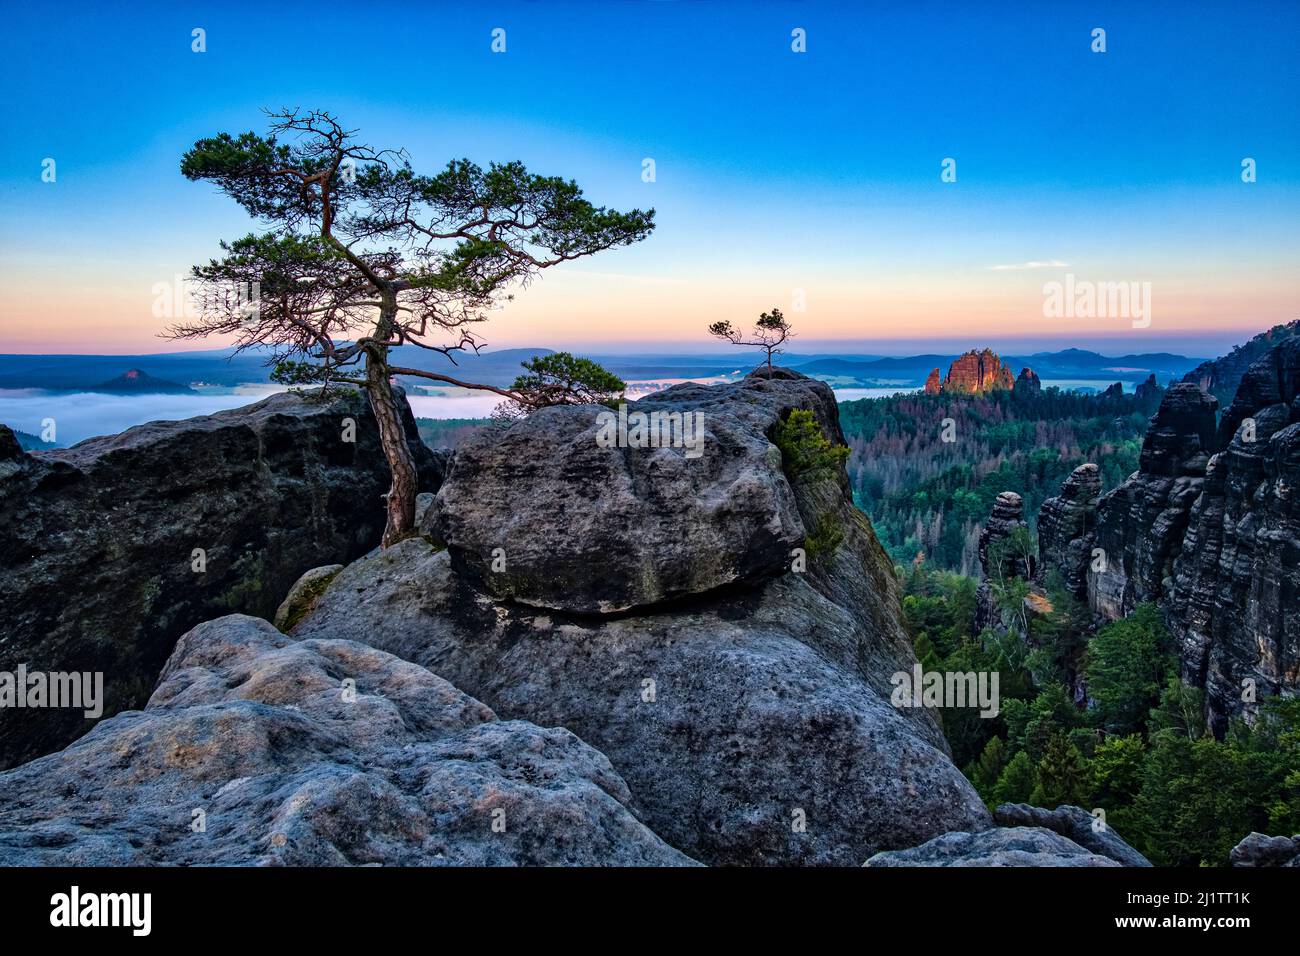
x=401, y=493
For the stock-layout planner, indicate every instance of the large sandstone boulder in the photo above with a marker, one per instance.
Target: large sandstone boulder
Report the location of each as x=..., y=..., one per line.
x=733, y=720
x=256, y=749
x=98, y=563
x=542, y=513
x=745, y=702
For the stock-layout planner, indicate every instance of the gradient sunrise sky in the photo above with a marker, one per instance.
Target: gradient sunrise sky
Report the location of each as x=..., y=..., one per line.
x=775, y=170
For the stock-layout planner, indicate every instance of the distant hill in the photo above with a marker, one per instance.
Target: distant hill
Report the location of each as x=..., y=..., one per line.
x=136, y=382
x=1220, y=377
x=222, y=367
x=78, y=373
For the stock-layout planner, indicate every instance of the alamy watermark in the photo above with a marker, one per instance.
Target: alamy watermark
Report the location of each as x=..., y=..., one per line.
x=184, y=299
x=651, y=430
x=954, y=689
x=78, y=691
x=1084, y=299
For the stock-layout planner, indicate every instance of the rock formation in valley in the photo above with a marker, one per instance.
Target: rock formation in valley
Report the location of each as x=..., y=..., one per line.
x=1027, y=384
x=1006, y=518
x=1209, y=528
x=1233, y=609
x=1066, y=526
x=1149, y=393
x=98, y=563
x=973, y=373
x=1262, y=850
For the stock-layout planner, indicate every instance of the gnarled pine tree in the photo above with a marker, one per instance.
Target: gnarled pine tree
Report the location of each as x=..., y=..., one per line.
x=363, y=254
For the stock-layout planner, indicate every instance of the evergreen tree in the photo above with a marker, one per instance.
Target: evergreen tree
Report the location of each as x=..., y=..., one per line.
x=1063, y=776
x=987, y=770
x=1128, y=663
x=1016, y=784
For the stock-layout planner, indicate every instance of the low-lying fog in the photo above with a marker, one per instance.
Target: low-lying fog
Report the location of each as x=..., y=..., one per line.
x=81, y=415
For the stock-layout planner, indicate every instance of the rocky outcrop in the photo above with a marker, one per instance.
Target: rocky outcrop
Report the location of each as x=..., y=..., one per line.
x=747, y=709
x=115, y=547
x=1209, y=526
x=996, y=562
x=1220, y=377
x=1027, y=384
x=1259, y=849
x=1141, y=523
x=595, y=529
x=1233, y=611
x=974, y=373
x=1149, y=393
x=999, y=846
x=256, y=749
x=1066, y=526
x=1074, y=823
x=1024, y=836
x=934, y=383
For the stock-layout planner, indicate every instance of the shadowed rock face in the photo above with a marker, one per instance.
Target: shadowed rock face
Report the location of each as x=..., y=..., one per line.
x=1149, y=392
x=96, y=563
x=1027, y=383
x=1065, y=530
x=1233, y=610
x=260, y=734
x=1221, y=377
x=1141, y=523
x=736, y=705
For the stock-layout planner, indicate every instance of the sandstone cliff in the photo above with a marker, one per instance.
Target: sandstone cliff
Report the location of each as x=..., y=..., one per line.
x=973, y=373
x=1209, y=528
x=1233, y=609
x=1141, y=523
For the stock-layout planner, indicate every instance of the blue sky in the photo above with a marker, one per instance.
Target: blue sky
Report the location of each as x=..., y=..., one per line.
x=775, y=170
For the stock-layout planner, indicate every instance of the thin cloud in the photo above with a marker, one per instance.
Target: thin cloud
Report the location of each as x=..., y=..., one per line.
x=1044, y=264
